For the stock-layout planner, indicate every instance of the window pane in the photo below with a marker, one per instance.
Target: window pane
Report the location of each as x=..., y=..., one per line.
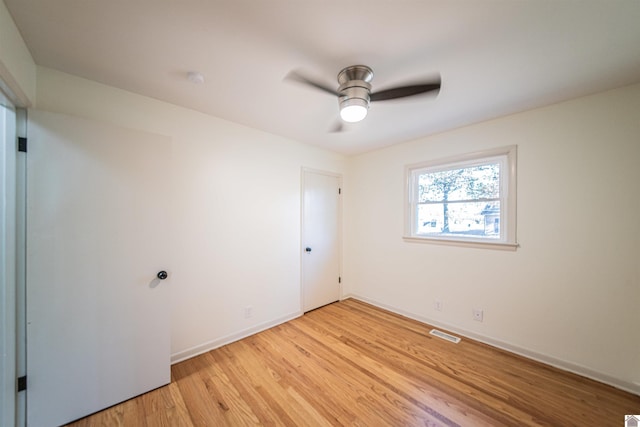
x=476, y=182
x=472, y=219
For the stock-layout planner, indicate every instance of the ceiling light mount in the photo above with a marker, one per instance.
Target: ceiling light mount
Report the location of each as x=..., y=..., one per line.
x=355, y=72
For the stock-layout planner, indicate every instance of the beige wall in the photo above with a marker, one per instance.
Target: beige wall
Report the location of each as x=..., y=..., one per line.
x=570, y=294
x=235, y=205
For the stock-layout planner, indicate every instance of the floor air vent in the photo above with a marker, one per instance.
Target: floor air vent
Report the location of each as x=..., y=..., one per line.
x=444, y=336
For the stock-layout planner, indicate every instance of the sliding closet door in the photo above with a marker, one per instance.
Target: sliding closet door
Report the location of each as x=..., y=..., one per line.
x=98, y=235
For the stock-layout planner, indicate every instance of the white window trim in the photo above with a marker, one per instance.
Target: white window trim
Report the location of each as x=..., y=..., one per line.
x=508, y=215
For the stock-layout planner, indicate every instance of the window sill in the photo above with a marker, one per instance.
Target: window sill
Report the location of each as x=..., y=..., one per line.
x=464, y=243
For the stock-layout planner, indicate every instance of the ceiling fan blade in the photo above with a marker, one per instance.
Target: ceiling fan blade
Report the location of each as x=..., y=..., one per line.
x=337, y=127
x=401, y=92
x=297, y=77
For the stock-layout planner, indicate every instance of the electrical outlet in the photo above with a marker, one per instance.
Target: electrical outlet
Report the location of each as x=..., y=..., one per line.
x=248, y=312
x=478, y=314
x=437, y=305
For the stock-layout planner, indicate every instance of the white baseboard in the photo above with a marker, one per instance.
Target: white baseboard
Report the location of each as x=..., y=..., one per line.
x=530, y=354
x=208, y=346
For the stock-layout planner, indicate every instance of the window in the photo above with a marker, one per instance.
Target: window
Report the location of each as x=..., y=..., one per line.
x=468, y=200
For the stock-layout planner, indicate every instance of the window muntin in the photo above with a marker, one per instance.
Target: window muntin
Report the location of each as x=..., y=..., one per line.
x=467, y=199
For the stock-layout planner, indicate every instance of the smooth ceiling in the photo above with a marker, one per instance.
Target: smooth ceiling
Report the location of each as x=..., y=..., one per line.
x=494, y=57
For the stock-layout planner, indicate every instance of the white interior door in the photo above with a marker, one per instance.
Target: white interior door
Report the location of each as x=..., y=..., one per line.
x=97, y=315
x=321, y=239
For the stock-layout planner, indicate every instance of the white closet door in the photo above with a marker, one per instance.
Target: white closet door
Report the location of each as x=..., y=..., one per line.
x=98, y=234
x=321, y=239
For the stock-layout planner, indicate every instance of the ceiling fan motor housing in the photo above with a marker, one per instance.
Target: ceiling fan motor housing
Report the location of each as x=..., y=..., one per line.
x=355, y=89
x=354, y=86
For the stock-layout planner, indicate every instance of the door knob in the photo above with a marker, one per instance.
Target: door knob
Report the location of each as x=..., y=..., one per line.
x=162, y=275
x=308, y=249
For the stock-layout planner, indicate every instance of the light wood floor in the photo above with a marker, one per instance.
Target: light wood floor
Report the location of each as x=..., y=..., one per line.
x=352, y=364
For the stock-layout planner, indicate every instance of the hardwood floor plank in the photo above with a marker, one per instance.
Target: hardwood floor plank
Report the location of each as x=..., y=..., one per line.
x=264, y=388
x=353, y=364
x=366, y=392
x=202, y=409
x=416, y=383
x=299, y=372
x=543, y=391
x=360, y=368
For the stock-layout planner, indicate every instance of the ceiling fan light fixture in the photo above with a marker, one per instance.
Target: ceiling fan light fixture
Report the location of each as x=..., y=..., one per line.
x=353, y=110
x=354, y=93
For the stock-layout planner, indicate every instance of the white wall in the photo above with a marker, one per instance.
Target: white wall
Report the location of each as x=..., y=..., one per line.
x=570, y=295
x=17, y=69
x=235, y=204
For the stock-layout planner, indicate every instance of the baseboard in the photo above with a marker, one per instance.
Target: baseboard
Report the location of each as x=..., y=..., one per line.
x=210, y=345
x=530, y=354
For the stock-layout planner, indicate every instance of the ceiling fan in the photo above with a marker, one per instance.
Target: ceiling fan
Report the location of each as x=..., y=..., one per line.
x=354, y=91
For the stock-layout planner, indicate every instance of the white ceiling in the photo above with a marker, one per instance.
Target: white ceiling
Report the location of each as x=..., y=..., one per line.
x=494, y=57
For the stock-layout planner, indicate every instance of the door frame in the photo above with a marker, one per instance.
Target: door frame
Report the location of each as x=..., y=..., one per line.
x=304, y=171
x=8, y=257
